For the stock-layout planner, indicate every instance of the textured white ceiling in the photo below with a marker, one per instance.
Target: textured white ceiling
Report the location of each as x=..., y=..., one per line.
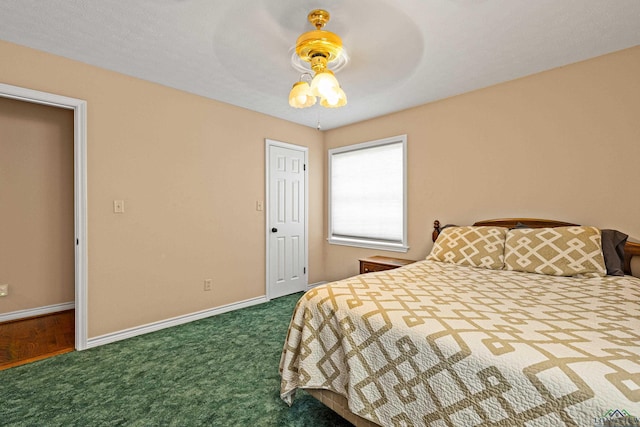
x=402, y=53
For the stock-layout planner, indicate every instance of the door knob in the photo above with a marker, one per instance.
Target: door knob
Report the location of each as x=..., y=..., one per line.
x=274, y=230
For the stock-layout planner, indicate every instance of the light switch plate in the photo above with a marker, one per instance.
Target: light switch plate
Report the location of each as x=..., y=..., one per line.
x=118, y=206
x=4, y=290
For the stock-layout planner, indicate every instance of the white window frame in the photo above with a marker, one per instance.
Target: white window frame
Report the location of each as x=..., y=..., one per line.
x=371, y=243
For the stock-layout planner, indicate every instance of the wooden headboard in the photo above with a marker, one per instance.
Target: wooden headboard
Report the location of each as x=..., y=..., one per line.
x=631, y=249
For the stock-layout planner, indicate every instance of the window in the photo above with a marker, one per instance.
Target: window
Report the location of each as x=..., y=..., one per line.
x=368, y=194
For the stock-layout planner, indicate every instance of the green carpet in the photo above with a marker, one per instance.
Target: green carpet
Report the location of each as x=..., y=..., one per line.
x=220, y=371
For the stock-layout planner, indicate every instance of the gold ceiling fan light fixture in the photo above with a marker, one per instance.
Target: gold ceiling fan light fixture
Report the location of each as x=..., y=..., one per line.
x=319, y=48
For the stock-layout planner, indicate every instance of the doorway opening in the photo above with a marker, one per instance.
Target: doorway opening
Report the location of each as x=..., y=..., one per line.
x=79, y=108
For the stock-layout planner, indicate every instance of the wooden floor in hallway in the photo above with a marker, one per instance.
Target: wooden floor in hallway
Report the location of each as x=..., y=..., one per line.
x=35, y=338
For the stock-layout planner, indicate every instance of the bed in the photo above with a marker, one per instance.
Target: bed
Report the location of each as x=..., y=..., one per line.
x=492, y=329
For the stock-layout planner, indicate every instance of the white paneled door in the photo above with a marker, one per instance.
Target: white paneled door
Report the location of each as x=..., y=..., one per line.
x=286, y=219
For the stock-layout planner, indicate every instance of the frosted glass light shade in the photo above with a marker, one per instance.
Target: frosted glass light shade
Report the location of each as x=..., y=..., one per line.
x=337, y=99
x=301, y=95
x=324, y=84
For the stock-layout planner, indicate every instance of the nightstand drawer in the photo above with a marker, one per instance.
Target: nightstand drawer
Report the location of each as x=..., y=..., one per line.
x=381, y=263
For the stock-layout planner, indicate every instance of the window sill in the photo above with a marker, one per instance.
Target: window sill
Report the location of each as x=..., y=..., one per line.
x=383, y=246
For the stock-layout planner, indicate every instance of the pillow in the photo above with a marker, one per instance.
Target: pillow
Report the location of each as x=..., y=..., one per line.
x=472, y=246
x=613, y=242
x=558, y=251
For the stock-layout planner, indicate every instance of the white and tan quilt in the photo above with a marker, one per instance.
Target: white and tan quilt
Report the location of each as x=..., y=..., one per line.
x=438, y=344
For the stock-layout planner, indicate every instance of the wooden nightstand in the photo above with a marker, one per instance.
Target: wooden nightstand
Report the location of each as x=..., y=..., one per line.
x=381, y=263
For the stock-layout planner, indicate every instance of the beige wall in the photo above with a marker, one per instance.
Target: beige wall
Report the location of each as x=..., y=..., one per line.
x=190, y=171
x=562, y=144
x=36, y=199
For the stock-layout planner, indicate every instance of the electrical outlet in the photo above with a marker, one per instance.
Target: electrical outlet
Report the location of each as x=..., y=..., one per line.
x=4, y=290
x=208, y=283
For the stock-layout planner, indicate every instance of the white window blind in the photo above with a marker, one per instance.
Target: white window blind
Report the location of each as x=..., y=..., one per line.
x=367, y=194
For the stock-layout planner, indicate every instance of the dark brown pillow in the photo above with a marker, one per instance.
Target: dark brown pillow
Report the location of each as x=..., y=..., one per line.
x=613, y=242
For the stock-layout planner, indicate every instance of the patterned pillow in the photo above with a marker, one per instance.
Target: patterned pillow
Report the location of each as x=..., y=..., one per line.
x=472, y=246
x=559, y=251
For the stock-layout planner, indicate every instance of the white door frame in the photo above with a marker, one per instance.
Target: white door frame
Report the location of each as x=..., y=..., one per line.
x=79, y=108
x=272, y=143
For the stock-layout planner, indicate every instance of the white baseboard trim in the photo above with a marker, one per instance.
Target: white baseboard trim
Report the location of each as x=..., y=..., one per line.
x=168, y=323
x=313, y=285
x=39, y=311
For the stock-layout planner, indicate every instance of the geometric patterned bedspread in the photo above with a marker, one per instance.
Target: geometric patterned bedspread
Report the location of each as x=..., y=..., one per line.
x=437, y=344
